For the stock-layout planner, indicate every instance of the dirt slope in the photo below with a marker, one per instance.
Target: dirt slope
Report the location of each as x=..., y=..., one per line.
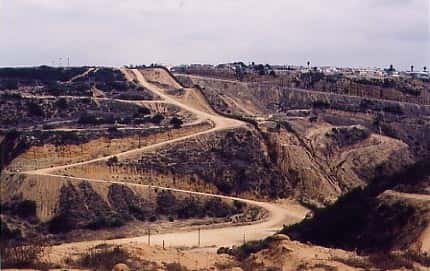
x=278, y=215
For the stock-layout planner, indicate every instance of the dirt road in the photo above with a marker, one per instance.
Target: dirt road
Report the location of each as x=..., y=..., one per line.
x=278, y=215
x=220, y=121
x=82, y=74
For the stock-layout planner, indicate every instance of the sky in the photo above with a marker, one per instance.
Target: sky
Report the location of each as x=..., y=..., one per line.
x=354, y=33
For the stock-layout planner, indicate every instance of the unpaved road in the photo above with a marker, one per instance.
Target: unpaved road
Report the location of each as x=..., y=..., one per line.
x=220, y=122
x=422, y=197
x=278, y=215
x=82, y=74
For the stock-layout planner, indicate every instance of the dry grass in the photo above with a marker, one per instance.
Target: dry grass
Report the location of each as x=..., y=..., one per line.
x=389, y=260
x=175, y=267
x=101, y=257
x=19, y=254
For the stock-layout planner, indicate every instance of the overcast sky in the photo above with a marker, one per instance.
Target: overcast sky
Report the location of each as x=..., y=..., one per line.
x=118, y=32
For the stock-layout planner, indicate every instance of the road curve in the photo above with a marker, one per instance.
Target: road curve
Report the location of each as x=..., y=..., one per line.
x=226, y=236
x=213, y=237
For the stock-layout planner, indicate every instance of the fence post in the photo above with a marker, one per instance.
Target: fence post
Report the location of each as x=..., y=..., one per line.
x=199, y=237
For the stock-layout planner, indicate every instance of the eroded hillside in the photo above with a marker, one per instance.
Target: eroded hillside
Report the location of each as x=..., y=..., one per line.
x=103, y=166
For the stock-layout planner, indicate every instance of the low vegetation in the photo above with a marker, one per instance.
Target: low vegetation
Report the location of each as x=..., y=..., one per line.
x=242, y=252
x=22, y=208
x=360, y=220
x=23, y=254
x=387, y=260
x=80, y=207
x=102, y=257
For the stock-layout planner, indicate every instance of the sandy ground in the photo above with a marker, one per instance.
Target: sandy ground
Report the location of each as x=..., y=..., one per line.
x=278, y=215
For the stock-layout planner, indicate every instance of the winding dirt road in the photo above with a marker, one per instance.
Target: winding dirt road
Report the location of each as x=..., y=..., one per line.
x=278, y=215
x=212, y=238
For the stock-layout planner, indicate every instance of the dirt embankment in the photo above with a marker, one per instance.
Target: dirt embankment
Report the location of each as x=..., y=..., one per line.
x=28, y=151
x=270, y=98
x=374, y=218
x=230, y=162
x=322, y=161
x=314, y=164
x=72, y=209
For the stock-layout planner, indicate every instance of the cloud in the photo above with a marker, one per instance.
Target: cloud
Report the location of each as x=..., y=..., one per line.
x=107, y=32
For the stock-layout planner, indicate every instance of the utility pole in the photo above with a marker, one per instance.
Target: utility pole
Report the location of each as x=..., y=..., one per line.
x=34, y=158
x=198, y=237
x=149, y=236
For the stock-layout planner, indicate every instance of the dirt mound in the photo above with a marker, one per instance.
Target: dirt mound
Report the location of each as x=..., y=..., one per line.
x=280, y=253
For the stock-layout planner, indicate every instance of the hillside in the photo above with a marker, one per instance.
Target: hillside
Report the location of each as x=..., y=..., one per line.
x=375, y=218
x=231, y=159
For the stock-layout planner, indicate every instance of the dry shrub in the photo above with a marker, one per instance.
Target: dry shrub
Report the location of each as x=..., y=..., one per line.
x=354, y=261
x=388, y=260
x=23, y=254
x=102, y=257
x=422, y=258
x=175, y=267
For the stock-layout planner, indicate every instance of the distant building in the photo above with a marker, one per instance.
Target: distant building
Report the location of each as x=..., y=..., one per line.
x=418, y=75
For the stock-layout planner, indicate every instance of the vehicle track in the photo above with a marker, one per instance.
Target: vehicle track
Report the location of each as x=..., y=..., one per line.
x=226, y=236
